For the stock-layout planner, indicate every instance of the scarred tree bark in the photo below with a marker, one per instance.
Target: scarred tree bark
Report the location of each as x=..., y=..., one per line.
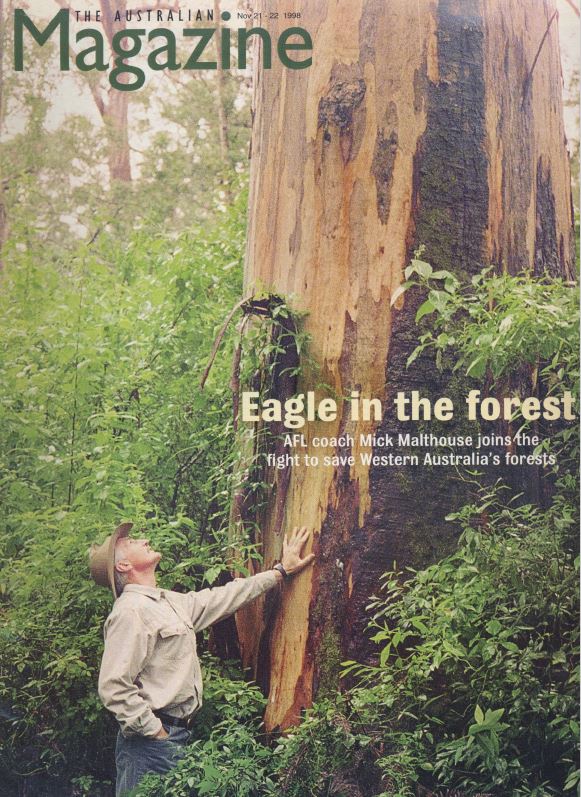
x=418, y=123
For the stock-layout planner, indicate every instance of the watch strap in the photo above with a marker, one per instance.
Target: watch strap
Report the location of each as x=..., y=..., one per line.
x=281, y=570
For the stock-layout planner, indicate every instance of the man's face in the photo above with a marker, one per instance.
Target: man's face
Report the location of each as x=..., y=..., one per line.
x=135, y=555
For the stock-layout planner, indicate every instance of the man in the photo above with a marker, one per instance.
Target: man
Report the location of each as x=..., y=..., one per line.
x=150, y=676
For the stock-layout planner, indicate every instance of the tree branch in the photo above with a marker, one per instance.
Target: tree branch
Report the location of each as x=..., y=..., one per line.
x=573, y=6
x=102, y=226
x=179, y=474
x=97, y=96
x=219, y=337
x=98, y=99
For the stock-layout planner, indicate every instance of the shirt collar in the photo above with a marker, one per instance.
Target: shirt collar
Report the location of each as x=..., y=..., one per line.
x=151, y=592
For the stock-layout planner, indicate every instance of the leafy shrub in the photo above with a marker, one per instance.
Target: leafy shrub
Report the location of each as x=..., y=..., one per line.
x=478, y=653
x=508, y=334
x=497, y=320
x=101, y=420
x=227, y=757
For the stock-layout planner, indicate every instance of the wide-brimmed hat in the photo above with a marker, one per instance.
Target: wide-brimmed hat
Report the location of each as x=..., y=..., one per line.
x=102, y=558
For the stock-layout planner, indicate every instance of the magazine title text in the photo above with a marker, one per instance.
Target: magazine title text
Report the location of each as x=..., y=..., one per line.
x=127, y=43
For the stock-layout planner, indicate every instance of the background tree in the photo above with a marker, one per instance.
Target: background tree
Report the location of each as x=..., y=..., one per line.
x=56, y=166
x=112, y=104
x=454, y=142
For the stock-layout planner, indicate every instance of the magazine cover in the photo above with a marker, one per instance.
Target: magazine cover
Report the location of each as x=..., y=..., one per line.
x=289, y=454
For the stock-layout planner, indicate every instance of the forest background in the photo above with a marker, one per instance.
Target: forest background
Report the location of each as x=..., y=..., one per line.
x=122, y=234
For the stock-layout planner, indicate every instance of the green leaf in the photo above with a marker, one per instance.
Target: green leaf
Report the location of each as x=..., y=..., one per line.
x=422, y=268
x=399, y=291
x=493, y=627
x=417, y=623
x=425, y=309
x=492, y=716
x=477, y=367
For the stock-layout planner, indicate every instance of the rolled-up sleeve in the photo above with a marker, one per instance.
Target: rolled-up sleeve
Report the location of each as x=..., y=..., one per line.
x=126, y=650
x=208, y=606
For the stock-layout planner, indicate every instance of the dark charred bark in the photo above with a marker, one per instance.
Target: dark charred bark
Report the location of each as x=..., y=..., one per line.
x=454, y=142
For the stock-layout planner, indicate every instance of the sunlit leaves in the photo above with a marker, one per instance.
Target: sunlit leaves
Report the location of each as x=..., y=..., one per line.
x=102, y=419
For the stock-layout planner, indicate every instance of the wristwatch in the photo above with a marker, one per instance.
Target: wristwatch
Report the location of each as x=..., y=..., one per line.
x=281, y=570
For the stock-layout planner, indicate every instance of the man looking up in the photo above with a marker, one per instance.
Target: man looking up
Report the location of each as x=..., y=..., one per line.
x=150, y=675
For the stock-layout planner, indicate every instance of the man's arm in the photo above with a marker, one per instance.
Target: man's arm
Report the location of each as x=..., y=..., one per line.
x=208, y=606
x=126, y=651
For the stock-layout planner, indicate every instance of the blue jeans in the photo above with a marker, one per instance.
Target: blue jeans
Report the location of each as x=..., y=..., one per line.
x=136, y=756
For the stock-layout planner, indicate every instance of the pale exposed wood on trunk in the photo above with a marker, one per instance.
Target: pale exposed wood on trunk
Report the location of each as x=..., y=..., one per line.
x=525, y=145
x=407, y=129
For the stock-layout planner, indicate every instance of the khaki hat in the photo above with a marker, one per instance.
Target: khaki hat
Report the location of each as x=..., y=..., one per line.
x=102, y=558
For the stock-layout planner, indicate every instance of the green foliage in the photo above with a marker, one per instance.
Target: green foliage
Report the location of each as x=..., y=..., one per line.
x=102, y=419
x=55, y=154
x=475, y=687
x=184, y=171
x=231, y=763
x=509, y=335
x=478, y=652
x=478, y=664
x=498, y=317
x=226, y=757
x=110, y=302
x=270, y=356
x=328, y=754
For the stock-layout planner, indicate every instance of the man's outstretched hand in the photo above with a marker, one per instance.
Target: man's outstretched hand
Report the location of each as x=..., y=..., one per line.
x=292, y=547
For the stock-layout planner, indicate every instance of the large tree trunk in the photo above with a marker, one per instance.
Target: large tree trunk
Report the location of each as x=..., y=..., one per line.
x=418, y=123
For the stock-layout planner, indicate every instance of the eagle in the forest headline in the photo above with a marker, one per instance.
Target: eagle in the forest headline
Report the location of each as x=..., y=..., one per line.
x=296, y=411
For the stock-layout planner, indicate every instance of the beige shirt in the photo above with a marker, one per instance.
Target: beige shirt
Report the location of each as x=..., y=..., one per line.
x=150, y=661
